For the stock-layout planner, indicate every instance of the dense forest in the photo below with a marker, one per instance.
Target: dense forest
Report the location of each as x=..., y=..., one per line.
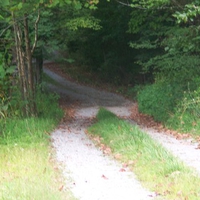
x=150, y=46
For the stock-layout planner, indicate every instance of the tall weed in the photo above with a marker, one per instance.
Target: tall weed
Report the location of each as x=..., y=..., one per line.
x=187, y=113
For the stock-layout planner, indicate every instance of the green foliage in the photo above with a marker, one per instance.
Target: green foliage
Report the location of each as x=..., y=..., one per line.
x=159, y=99
x=189, y=13
x=187, y=113
x=50, y=114
x=180, y=68
x=21, y=20
x=83, y=22
x=164, y=100
x=103, y=114
x=47, y=105
x=173, y=76
x=132, y=92
x=105, y=51
x=60, y=28
x=150, y=4
x=6, y=72
x=149, y=28
x=184, y=40
x=170, y=52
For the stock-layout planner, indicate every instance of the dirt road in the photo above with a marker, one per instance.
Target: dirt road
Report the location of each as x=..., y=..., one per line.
x=89, y=174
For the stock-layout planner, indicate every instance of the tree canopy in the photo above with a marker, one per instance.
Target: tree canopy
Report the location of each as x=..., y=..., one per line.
x=21, y=34
x=124, y=42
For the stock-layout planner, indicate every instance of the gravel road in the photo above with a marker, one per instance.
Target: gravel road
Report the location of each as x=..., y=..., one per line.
x=91, y=175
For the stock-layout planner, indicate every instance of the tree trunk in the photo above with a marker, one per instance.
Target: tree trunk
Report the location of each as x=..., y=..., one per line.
x=31, y=85
x=24, y=65
x=20, y=64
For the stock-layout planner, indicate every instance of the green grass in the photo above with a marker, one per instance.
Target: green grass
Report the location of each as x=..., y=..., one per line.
x=27, y=169
x=154, y=166
x=27, y=174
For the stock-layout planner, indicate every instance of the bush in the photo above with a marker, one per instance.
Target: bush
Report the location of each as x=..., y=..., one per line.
x=176, y=105
x=159, y=99
x=6, y=79
x=33, y=129
x=187, y=113
x=47, y=105
x=133, y=91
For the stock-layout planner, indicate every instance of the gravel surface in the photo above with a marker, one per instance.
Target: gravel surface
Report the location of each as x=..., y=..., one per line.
x=186, y=150
x=89, y=173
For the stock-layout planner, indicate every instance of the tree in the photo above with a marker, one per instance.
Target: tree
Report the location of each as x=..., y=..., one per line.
x=174, y=39
x=22, y=18
x=170, y=42
x=106, y=51
x=18, y=20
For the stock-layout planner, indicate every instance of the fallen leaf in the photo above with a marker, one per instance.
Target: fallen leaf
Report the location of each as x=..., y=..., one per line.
x=198, y=147
x=117, y=156
x=122, y=170
x=61, y=187
x=179, y=136
x=88, y=145
x=104, y=177
x=97, y=139
x=125, y=165
x=131, y=162
x=107, y=150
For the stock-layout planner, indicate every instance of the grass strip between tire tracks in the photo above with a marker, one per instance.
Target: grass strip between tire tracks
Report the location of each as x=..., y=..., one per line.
x=154, y=166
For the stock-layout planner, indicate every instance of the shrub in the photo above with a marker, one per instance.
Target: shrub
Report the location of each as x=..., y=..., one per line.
x=6, y=87
x=47, y=105
x=187, y=113
x=159, y=99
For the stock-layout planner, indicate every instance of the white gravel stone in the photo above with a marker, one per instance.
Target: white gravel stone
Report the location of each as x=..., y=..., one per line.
x=90, y=174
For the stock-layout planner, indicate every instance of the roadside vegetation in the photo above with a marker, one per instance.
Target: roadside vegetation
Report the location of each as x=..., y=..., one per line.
x=157, y=169
x=148, y=51
x=27, y=168
x=151, y=54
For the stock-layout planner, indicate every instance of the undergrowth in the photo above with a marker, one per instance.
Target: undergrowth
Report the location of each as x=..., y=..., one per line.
x=26, y=165
x=153, y=165
x=187, y=113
